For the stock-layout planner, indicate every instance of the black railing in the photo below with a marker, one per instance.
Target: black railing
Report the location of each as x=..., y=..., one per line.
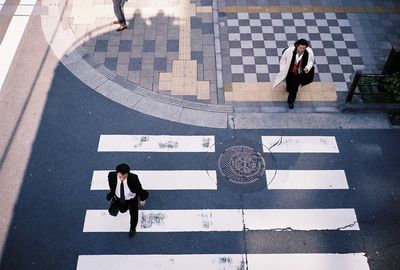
x=370, y=86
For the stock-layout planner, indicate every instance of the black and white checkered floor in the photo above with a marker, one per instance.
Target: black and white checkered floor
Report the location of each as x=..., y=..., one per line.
x=256, y=42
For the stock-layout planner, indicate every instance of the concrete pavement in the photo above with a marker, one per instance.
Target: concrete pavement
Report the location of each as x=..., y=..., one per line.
x=175, y=62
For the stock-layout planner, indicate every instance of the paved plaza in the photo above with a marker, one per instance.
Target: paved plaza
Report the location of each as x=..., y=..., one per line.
x=227, y=52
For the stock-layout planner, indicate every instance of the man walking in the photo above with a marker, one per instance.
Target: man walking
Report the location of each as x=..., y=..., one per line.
x=296, y=66
x=126, y=189
x=119, y=12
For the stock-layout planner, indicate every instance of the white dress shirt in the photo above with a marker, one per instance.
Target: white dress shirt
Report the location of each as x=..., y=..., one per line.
x=298, y=57
x=128, y=193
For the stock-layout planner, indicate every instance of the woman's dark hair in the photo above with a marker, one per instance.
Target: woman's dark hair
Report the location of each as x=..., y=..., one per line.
x=301, y=41
x=123, y=168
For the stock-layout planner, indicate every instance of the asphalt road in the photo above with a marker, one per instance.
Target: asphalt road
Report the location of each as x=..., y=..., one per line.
x=46, y=229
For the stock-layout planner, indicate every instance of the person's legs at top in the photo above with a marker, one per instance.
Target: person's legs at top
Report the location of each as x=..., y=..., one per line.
x=119, y=13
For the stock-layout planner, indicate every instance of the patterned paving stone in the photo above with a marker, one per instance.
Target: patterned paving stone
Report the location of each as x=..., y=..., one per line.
x=195, y=23
x=197, y=55
x=149, y=46
x=160, y=64
x=257, y=36
x=111, y=63
x=208, y=28
x=135, y=64
x=173, y=45
x=251, y=41
x=101, y=46
x=125, y=45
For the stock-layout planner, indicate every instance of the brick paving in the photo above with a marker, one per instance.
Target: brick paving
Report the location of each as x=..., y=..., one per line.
x=252, y=34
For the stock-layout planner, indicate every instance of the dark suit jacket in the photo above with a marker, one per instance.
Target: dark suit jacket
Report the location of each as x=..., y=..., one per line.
x=133, y=184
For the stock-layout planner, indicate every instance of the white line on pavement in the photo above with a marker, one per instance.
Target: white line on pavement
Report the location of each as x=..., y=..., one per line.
x=309, y=261
x=13, y=36
x=164, y=180
x=306, y=179
x=301, y=219
x=27, y=2
x=224, y=220
x=300, y=144
x=299, y=261
x=155, y=143
x=166, y=221
x=2, y=3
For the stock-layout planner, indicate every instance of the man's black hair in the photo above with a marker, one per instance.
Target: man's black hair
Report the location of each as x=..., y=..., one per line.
x=301, y=41
x=123, y=168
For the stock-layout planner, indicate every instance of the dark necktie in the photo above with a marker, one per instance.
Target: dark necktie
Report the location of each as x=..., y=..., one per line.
x=122, y=193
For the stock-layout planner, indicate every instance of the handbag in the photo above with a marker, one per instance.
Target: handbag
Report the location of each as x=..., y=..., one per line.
x=307, y=77
x=113, y=209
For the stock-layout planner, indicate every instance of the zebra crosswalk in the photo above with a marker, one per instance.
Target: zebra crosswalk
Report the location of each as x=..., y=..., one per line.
x=156, y=143
x=300, y=144
x=310, y=261
x=306, y=179
x=206, y=220
x=165, y=180
x=221, y=220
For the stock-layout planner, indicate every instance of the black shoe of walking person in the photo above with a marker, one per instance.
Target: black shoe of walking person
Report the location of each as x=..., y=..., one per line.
x=291, y=106
x=132, y=233
x=122, y=27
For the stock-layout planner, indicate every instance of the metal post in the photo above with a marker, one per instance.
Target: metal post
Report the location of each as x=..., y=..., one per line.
x=392, y=64
x=353, y=86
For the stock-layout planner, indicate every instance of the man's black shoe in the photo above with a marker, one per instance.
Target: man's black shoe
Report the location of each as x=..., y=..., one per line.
x=291, y=106
x=132, y=233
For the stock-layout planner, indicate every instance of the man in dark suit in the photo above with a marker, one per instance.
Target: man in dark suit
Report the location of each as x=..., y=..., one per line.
x=126, y=189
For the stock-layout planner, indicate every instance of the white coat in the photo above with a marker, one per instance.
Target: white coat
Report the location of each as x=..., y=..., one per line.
x=284, y=64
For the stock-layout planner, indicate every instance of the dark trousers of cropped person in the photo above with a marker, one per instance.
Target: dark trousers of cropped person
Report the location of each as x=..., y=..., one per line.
x=132, y=205
x=119, y=10
x=292, y=86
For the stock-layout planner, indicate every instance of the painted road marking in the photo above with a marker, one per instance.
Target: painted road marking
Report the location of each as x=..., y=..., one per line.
x=164, y=180
x=205, y=220
x=300, y=144
x=306, y=179
x=301, y=219
x=166, y=221
x=156, y=143
x=2, y=3
x=309, y=261
x=13, y=36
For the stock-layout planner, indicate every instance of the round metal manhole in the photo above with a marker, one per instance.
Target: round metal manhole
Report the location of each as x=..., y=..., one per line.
x=241, y=164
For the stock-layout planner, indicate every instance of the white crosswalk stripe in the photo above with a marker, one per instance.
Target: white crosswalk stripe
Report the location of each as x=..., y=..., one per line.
x=224, y=220
x=155, y=143
x=300, y=144
x=206, y=220
x=309, y=261
x=164, y=180
x=2, y=4
x=306, y=179
x=13, y=35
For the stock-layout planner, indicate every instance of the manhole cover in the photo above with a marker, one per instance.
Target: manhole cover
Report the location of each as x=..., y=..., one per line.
x=241, y=164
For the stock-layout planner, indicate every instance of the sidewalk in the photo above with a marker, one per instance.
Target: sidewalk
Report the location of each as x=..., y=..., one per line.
x=208, y=62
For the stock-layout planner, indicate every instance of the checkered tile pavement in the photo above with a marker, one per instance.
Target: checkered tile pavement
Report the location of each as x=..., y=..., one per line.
x=256, y=42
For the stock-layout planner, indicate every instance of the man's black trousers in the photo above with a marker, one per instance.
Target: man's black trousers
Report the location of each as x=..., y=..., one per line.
x=292, y=86
x=132, y=205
